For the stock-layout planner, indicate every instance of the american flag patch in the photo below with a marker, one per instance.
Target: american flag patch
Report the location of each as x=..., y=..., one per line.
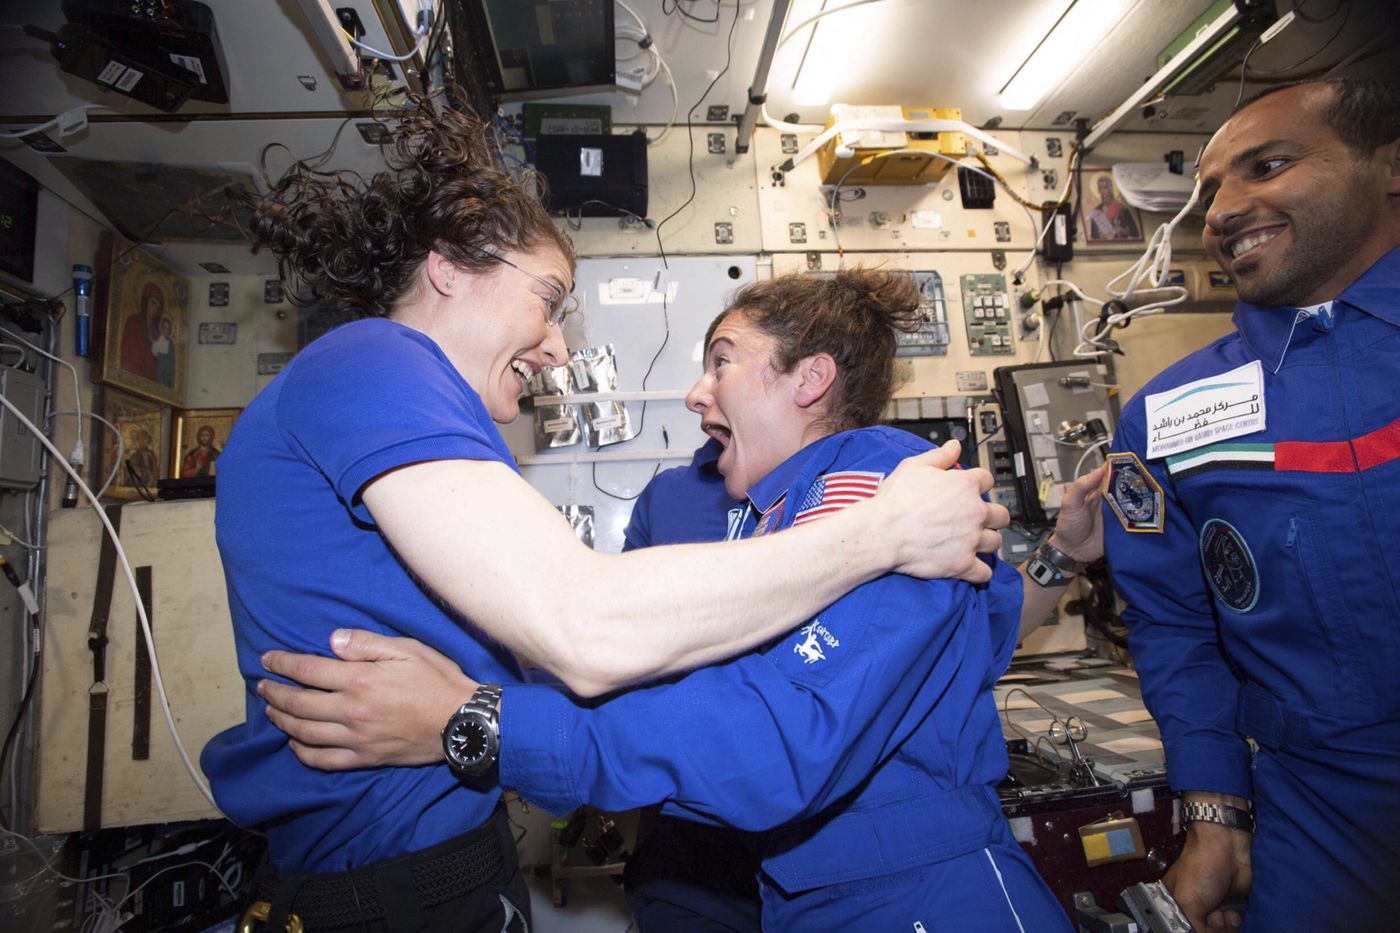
x=835, y=491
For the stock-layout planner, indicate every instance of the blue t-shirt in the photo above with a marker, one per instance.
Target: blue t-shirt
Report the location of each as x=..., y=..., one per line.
x=302, y=556
x=682, y=505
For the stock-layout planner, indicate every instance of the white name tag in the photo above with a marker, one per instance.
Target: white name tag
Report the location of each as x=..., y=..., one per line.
x=1206, y=411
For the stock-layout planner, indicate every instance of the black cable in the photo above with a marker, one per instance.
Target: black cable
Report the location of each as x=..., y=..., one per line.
x=1298, y=11
x=677, y=8
x=661, y=246
x=137, y=483
x=440, y=29
x=1343, y=5
x=14, y=726
x=613, y=495
x=1054, y=321
x=690, y=127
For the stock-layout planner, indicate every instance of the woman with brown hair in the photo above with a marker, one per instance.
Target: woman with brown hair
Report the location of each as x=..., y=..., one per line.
x=861, y=748
x=368, y=486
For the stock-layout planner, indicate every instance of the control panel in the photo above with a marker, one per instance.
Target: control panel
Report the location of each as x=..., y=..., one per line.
x=931, y=338
x=987, y=313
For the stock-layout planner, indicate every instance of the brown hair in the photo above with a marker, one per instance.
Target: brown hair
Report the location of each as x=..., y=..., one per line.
x=852, y=315
x=357, y=243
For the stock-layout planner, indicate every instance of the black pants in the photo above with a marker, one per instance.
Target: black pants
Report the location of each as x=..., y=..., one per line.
x=470, y=884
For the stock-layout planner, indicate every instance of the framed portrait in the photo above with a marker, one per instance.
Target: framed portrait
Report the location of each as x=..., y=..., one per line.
x=1107, y=217
x=197, y=437
x=140, y=323
x=141, y=423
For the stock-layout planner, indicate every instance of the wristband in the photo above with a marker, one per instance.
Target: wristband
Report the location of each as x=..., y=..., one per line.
x=1049, y=566
x=1219, y=813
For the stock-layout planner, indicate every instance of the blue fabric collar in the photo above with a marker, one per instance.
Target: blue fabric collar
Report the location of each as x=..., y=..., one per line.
x=817, y=455
x=706, y=459
x=772, y=488
x=1268, y=330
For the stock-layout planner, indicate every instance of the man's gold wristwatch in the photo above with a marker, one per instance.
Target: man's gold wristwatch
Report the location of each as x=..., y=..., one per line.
x=1220, y=813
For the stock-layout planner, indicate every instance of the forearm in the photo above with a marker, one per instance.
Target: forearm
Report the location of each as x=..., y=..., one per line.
x=1039, y=602
x=746, y=742
x=670, y=609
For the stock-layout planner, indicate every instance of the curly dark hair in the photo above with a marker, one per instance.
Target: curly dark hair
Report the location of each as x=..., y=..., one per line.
x=852, y=315
x=357, y=243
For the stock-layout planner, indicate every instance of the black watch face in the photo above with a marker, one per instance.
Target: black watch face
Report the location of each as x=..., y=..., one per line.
x=469, y=741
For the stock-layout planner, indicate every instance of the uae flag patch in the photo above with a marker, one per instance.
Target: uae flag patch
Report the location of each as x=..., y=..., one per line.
x=835, y=491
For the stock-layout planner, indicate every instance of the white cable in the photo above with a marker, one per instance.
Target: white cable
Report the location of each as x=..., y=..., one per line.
x=194, y=861
x=1152, y=267
x=639, y=35
x=121, y=444
x=77, y=393
x=51, y=124
x=1020, y=271
x=131, y=581
x=421, y=34
x=1089, y=450
x=902, y=126
x=835, y=190
x=775, y=123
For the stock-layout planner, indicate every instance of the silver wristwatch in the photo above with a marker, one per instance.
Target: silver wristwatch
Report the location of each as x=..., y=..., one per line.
x=1224, y=814
x=1050, y=566
x=471, y=740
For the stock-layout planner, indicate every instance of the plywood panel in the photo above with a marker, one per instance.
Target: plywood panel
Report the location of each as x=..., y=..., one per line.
x=194, y=644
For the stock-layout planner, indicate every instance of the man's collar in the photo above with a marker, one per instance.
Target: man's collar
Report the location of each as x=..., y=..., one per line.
x=1268, y=330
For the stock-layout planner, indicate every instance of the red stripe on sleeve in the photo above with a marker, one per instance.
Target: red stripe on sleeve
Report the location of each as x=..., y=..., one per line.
x=1314, y=456
x=1379, y=447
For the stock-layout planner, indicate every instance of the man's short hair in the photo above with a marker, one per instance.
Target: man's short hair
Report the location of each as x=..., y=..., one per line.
x=1364, y=112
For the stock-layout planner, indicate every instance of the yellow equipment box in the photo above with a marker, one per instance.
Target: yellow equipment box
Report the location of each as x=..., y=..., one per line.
x=906, y=168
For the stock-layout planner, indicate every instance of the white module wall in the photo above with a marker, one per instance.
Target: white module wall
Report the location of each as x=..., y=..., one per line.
x=698, y=288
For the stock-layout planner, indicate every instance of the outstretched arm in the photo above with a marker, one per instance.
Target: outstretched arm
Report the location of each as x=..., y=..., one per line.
x=478, y=536
x=758, y=741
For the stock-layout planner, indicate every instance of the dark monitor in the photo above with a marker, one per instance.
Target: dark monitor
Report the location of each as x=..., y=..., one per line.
x=19, y=210
x=540, y=48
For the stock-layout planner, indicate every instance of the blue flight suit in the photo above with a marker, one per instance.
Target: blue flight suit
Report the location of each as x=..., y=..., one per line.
x=684, y=875
x=864, y=746
x=1265, y=604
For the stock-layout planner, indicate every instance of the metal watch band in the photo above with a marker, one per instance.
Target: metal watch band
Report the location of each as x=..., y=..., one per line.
x=486, y=697
x=1223, y=814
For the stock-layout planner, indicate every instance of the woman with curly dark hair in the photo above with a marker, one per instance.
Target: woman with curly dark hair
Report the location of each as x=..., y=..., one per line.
x=368, y=486
x=862, y=749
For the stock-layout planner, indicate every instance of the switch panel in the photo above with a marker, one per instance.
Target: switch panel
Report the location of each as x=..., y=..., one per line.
x=987, y=315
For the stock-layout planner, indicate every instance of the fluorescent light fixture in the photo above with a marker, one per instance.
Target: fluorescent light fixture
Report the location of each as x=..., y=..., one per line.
x=1064, y=47
x=834, y=51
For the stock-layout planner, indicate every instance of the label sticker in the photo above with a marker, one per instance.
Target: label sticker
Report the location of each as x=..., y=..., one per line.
x=1134, y=494
x=130, y=79
x=111, y=72
x=1230, y=569
x=590, y=163
x=1206, y=411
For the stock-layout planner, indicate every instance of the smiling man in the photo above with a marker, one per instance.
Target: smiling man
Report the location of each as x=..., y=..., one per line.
x=1251, y=522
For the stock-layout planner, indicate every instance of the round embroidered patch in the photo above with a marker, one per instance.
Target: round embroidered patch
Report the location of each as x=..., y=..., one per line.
x=1229, y=566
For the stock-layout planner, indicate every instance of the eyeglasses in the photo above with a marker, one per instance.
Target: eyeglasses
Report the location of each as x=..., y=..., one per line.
x=559, y=306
